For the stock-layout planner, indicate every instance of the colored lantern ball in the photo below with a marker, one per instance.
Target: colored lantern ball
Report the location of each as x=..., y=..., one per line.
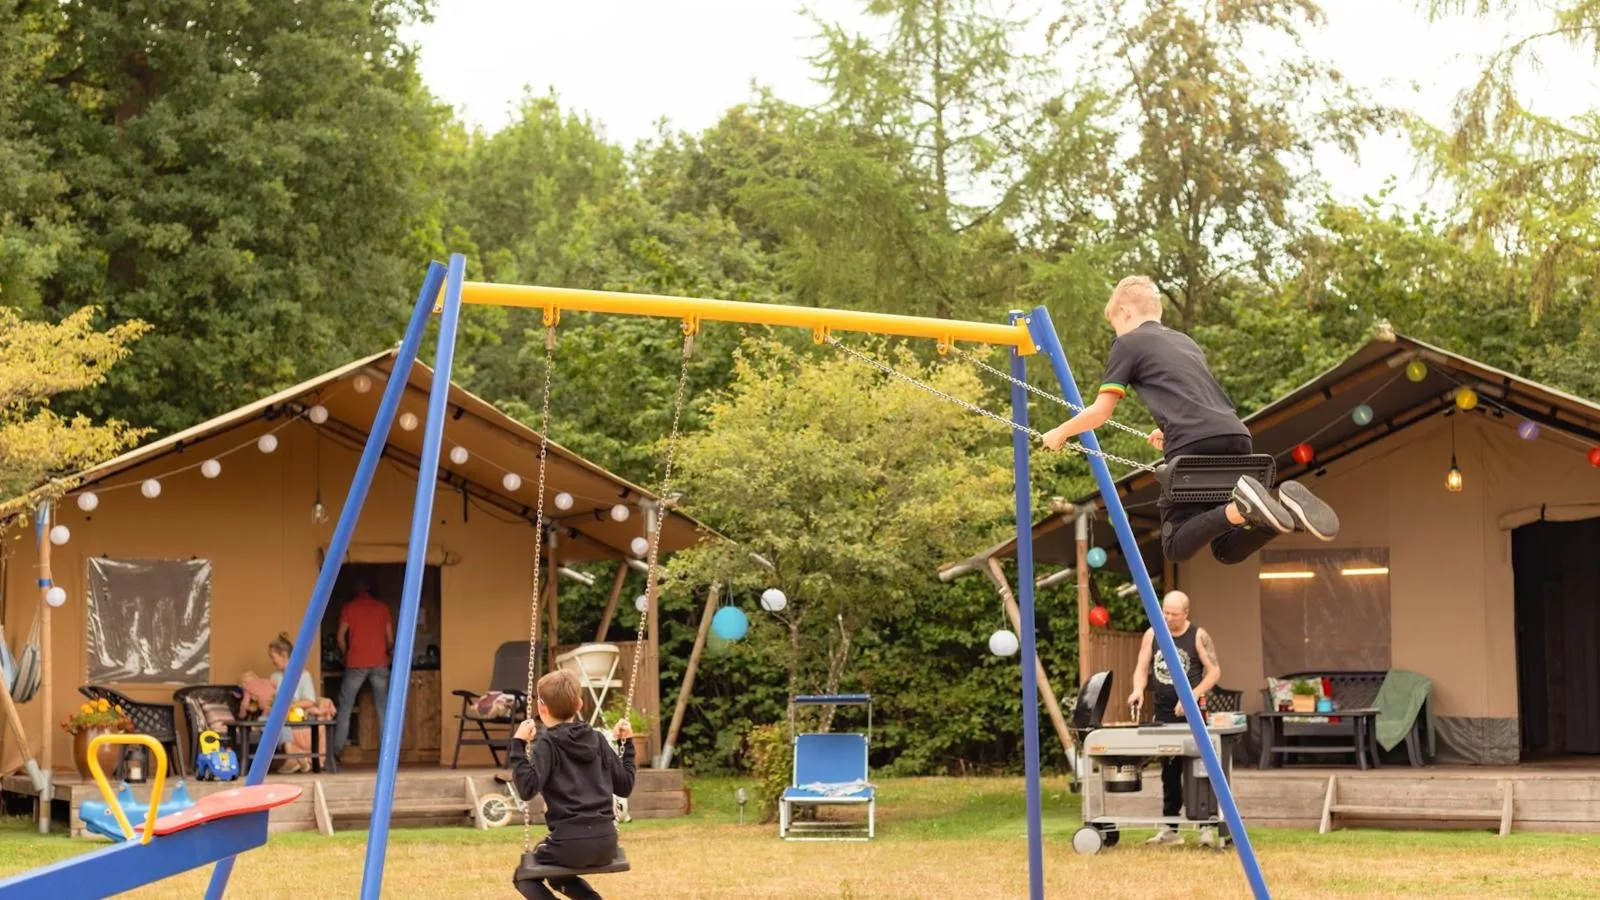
x=511, y=482
x=1099, y=617
x=459, y=455
x=773, y=600
x=1003, y=642
x=1362, y=414
x=60, y=535
x=639, y=546
x=151, y=488
x=211, y=468
x=1416, y=370
x=267, y=443
x=730, y=623
x=1594, y=457
x=563, y=500
x=1096, y=557
x=1304, y=454
x=56, y=596
x=1466, y=398
x=1528, y=431
x=88, y=501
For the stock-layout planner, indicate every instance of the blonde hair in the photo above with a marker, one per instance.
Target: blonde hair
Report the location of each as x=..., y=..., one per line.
x=1139, y=294
x=560, y=692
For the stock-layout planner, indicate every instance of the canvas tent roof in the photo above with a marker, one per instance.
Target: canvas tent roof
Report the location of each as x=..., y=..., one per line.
x=496, y=443
x=1319, y=412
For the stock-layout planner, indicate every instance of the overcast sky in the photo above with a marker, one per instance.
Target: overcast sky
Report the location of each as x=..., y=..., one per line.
x=631, y=63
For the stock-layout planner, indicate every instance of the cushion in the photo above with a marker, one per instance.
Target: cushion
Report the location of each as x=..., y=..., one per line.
x=495, y=705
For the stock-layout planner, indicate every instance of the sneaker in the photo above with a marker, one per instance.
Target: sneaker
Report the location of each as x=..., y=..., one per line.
x=1258, y=507
x=1208, y=836
x=1311, y=514
x=1166, y=834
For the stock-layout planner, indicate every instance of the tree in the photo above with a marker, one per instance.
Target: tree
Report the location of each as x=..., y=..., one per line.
x=1221, y=138
x=853, y=487
x=257, y=180
x=38, y=361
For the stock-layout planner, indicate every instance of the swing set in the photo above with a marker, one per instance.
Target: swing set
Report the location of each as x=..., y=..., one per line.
x=444, y=291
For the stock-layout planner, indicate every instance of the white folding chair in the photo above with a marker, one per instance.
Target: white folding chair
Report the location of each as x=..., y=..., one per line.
x=596, y=668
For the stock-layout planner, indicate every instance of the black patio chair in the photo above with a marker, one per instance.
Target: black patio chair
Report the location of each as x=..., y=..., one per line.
x=158, y=720
x=510, y=677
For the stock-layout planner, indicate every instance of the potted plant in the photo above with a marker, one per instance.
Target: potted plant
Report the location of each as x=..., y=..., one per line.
x=1305, y=696
x=90, y=720
x=641, y=736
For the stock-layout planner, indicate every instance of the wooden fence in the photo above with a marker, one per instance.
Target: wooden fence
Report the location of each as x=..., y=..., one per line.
x=1119, y=652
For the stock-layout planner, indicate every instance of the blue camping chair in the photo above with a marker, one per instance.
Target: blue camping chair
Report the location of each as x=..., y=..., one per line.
x=830, y=769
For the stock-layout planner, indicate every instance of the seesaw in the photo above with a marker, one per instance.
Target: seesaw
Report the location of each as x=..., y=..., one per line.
x=215, y=827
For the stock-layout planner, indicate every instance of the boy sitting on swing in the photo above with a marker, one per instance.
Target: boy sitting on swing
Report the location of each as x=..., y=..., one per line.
x=1196, y=417
x=576, y=770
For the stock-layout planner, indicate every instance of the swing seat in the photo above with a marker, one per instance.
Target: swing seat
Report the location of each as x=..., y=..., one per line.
x=1210, y=479
x=531, y=870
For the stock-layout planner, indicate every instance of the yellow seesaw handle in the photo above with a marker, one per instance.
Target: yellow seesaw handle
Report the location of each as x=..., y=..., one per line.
x=159, y=754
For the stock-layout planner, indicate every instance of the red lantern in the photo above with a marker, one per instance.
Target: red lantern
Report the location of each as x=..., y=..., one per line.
x=1303, y=454
x=1594, y=457
x=1099, y=617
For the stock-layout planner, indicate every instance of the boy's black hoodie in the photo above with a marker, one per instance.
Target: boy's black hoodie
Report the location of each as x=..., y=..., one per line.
x=576, y=770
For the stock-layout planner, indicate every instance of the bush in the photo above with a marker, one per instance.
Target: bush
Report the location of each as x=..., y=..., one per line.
x=771, y=755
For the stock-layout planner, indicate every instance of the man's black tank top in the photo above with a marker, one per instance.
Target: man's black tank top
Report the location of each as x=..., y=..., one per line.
x=1166, y=693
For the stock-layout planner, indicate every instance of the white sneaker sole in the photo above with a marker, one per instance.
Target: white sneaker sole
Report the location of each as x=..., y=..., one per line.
x=1264, y=504
x=1312, y=514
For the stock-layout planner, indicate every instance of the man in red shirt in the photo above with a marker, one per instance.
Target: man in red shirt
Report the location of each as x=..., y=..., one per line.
x=366, y=635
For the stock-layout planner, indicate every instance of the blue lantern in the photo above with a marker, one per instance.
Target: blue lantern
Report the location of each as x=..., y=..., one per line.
x=1096, y=557
x=730, y=623
x=1362, y=414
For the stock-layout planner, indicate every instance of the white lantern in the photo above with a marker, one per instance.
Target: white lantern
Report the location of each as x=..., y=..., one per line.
x=317, y=414
x=619, y=513
x=60, y=535
x=361, y=383
x=211, y=468
x=267, y=443
x=641, y=603
x=88, y=501
x=563, y=500
x=1003, y=642
x=408, y=421
x=512, y=481
x=56, y=596
x=639, y=546
x=151, y=488
x=773, y=600
x=459, y=455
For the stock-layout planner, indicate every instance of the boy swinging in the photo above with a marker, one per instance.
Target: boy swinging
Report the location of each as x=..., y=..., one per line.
x=1195, y=417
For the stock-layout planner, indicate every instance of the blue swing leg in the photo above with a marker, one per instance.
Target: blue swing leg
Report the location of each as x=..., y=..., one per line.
x=1044, y=336
x=1030, y=682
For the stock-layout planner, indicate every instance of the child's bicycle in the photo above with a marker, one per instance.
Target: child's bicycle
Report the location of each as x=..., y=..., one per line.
x=498, y=809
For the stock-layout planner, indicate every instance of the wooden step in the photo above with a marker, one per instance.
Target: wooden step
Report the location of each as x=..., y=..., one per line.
x=1429, y=810
x=1413, y=812
x=361, y=805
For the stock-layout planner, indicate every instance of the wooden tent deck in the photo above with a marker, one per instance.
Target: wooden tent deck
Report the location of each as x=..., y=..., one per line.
x=1555, y=797
x=423, y=796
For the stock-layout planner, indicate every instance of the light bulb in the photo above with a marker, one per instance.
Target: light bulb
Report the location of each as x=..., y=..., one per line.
x=619, y=513
x=408, y=421
x=459, y=455
x=773, y=600
x=319, y=513
x=1003, y=642
x=56, y=596
x=88, y=501
x=641, y=603
x=317, y=414
x=267, y=443
x=639, y=546
x=60, y=535
x=361, y=383
x=211, y=468
x=563, y=500
x=511, y=482
x=151, y=488
x=1453, y=479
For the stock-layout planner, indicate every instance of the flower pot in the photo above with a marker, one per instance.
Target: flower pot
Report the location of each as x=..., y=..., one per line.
x=1304, y=703
x=641, y=750
x=110, y=754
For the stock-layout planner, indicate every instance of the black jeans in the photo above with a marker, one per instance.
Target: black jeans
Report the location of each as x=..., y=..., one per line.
x=572, y=847
x=1171, y=770
x=1187, y=527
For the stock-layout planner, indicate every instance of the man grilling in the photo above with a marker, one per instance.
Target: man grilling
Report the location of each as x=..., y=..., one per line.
x=1197, y=659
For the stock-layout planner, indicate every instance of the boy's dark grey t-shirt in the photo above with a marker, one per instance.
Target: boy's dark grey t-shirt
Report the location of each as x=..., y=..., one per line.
x=1169, y=371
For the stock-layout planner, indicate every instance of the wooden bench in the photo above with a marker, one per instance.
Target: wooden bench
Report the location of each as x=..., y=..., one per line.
x=1480, y=811
x=342, y=805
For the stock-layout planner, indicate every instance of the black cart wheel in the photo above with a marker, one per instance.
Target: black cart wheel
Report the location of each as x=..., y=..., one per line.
x=1110, y=834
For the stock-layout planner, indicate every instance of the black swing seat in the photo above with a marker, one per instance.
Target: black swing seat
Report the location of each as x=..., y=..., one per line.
x=530, y=870
x=1210, y=479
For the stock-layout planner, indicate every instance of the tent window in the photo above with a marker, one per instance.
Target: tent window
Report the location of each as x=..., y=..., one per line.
x=149, y=620
x=1325, y=610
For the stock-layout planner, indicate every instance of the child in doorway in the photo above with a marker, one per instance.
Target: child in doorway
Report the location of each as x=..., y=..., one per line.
x=1195, y=417
x=574, y=767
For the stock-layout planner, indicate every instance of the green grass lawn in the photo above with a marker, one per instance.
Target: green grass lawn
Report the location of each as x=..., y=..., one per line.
x=937, y=837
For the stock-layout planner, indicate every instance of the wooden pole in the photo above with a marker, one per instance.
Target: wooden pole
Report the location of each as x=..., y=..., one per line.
x=688, y=675
x=1083, y=599
x=8, y=708
x=46, y=662
x=611, y=602
x=998, y=576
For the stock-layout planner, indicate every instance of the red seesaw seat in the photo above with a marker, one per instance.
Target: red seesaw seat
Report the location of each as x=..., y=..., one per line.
x=233, y=802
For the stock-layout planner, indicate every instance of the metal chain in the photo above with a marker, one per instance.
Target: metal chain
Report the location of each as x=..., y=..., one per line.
x=1042, y=393
x=538, y=546
x=973, y=407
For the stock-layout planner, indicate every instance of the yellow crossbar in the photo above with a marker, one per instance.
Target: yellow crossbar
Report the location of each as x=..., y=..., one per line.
x=694, y=310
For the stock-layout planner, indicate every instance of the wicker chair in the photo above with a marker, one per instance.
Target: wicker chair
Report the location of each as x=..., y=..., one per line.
x=158, y=720
x=1224, y=700
x=194, y=700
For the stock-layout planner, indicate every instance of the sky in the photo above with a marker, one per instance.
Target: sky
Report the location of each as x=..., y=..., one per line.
x=629, y=64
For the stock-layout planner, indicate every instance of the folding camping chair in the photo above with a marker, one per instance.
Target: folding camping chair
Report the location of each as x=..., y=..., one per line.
x=506, y=710
x=830, y=769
